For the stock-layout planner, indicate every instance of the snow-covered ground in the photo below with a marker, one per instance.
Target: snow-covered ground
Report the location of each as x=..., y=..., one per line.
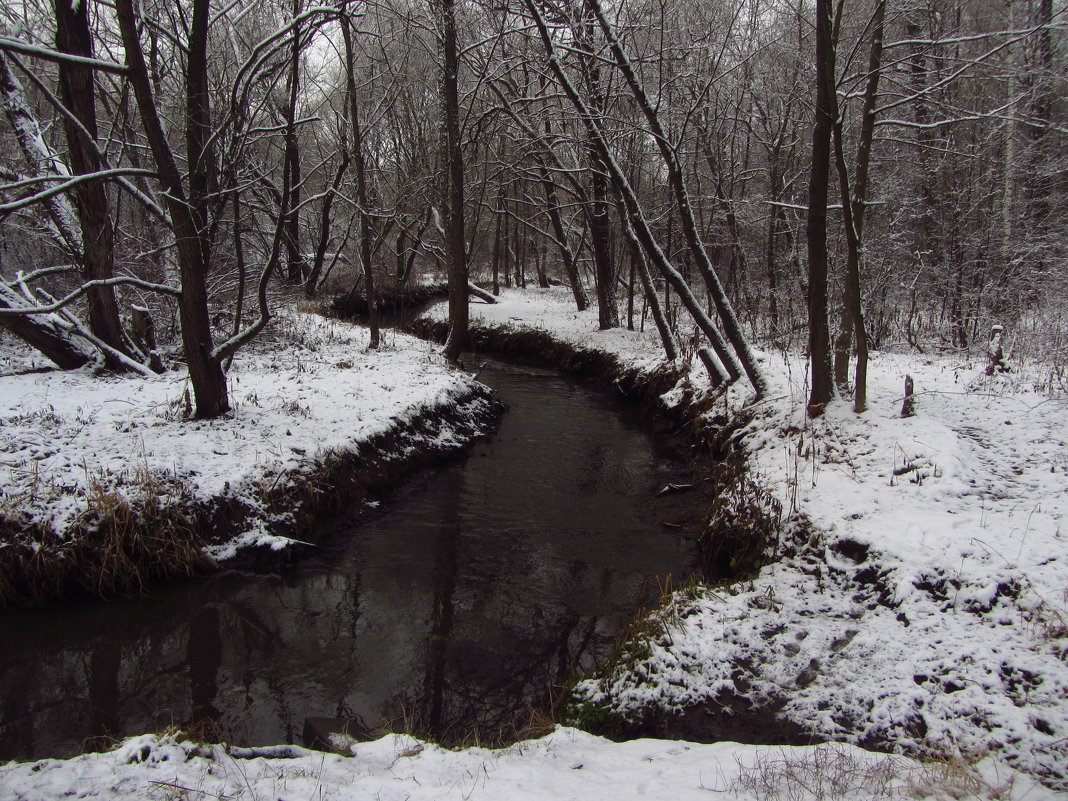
x=927, y=611
x=310, y=388
x=567, y=764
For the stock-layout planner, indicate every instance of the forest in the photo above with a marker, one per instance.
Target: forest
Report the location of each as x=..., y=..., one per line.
x=641, y=503
x=827, y=176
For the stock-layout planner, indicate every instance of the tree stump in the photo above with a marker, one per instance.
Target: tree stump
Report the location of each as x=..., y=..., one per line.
x=908, y=405
x=996, y=351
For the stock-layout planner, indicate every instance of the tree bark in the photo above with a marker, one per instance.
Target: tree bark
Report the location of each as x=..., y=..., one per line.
x=78, y=92
x=366, y=227
x=821, y=388
x=205, y=371
x=453, y=185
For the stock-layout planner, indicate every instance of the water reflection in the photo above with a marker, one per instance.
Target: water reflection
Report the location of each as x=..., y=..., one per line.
x=456, y=606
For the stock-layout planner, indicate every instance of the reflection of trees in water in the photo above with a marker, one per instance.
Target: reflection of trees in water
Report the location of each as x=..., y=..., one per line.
x=479, y=682
x=477, y=592
x=489, y=696
x=446, y=563
x=204, y=656
x=104, y=665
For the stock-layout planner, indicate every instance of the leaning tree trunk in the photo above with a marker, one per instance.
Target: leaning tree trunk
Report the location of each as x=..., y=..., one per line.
x=731, y=326
x=552, y=206
x=78, y=92
x=44, y=334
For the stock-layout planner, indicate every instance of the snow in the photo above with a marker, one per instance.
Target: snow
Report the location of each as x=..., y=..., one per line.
x=925, y=606
x=63, y=435
x=919, y=604
x=566, y=764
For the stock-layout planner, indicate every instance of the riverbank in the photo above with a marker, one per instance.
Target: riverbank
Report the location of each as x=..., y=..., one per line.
x=108, y=487
x=566, y=764
x=917, y=603
x=888, y=603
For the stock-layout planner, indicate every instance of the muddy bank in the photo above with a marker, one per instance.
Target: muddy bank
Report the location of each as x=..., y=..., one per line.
x=689, y=415
x=391, y=302
x=129, y=539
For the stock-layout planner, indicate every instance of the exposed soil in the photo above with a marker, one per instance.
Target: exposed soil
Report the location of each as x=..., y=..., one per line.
x=391, y=301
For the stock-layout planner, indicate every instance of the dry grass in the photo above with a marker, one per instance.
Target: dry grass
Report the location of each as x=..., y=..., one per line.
x=834, y=772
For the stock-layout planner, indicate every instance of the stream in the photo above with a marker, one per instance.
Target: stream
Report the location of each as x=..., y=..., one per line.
x=454, y=606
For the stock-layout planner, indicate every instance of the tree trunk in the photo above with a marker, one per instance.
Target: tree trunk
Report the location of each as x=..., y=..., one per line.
x=311, y=283
x=78, y=92
x=667, y=338
x=598, y=206
x=822, y=386
x=41, y=332
x=294, y=258
x=853, y=212
x=453, y=184
x=366, y=228
x=205, y=370
x=566, y=256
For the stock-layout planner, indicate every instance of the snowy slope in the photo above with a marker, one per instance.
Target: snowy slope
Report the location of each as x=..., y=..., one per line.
x=925, y=609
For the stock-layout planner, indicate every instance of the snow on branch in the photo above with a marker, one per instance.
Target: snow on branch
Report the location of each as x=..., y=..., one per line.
x=67, y=183
x=15, y=45
x=84, y=288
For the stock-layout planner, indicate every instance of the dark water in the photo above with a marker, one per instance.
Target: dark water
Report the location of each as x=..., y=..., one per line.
x=456, y=605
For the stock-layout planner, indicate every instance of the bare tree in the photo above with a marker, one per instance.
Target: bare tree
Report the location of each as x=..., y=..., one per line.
x=452, y=183
x=821, y=388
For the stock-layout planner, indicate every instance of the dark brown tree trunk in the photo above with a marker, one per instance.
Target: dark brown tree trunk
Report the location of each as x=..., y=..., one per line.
x=366, y=227
x=566, y=256
x=821, y=388
x=291, y=205
x=667, y=338
x=498, y=217
x=601, y=243
x=452, y=195
x=771, y=262
x=78, y=91
x=311, y=283
x=853, y=212
x=205, y=370
x=926, y=244
x=57, y=345
x=598, y=205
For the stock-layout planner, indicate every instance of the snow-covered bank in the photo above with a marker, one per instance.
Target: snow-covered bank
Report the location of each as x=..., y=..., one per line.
x=567, y=764
x=925, y=614
x=819, y=630
x=305, y=399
